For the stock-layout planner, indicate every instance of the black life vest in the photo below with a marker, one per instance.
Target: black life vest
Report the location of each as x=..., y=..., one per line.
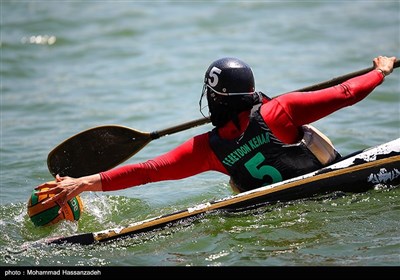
x=258, y=158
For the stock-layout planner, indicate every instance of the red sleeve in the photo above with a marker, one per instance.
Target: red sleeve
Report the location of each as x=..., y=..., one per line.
x=286, y=113
x=192, y=157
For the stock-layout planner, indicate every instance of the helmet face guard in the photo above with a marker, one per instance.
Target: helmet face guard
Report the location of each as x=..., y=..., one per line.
x=225, y=82
x=227, y=93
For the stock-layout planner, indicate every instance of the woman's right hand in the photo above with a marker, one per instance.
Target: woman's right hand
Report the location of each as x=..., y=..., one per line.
x=384, y=64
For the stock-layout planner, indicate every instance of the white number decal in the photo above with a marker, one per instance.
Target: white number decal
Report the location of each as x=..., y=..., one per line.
x=213, y=80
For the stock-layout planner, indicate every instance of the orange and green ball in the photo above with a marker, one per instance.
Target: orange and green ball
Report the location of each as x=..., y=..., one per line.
x=44, y=215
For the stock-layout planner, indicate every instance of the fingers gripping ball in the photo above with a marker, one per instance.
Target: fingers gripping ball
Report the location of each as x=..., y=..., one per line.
x=44, y=215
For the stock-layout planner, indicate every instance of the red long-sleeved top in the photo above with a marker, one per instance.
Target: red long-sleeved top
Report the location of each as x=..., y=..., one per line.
x=283, y=114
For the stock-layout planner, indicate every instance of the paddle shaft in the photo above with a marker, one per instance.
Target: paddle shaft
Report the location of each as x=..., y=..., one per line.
x=322, y=85
x=341, y=79
x=174, y=129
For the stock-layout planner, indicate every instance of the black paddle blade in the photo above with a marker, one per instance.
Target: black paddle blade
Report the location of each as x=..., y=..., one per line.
x=95, y=150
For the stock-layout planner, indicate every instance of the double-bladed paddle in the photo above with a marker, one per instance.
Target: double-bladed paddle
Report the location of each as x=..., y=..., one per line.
x=101, y=148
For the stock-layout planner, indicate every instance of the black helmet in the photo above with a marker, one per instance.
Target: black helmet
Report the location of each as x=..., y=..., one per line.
x=229, y=87
x=229, y=76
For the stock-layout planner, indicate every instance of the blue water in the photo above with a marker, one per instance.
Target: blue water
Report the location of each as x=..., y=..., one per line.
x=67, y=66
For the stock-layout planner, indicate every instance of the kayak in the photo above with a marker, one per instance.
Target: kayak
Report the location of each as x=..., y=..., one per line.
x=358, y=172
